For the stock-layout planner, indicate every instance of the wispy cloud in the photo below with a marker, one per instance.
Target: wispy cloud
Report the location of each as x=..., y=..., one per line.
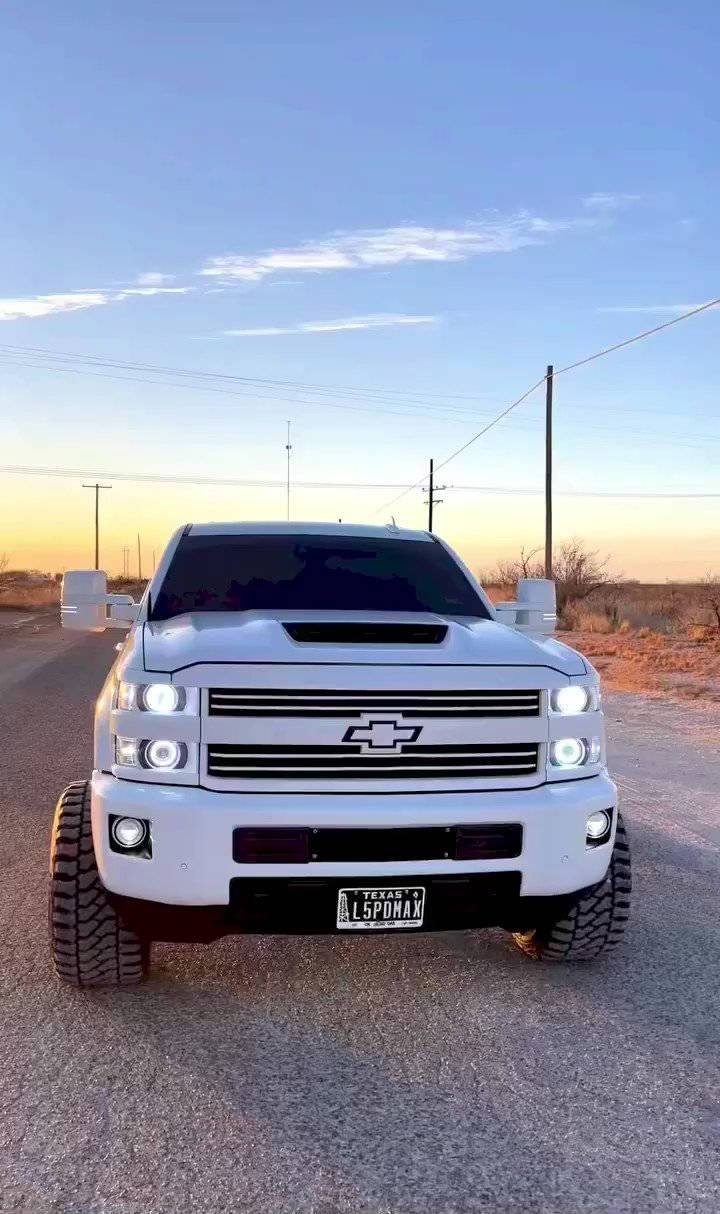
x=380, y=321
x=75, y=301
x=676, y=309
x=609, y=202
x=376, y=247
x=154, y=279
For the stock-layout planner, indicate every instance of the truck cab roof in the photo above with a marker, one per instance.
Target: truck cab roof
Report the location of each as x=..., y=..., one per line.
x=360, y=530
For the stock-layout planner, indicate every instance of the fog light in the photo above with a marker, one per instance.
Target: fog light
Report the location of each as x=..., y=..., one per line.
x=598, y=825
x=568, y=752
x=129, y=832
x=164, y=755
x=160, y=697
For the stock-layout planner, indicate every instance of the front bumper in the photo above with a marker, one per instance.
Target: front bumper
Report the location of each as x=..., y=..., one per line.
x=192, y=836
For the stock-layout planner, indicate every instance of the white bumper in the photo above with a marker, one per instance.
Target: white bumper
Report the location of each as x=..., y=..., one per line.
x=191, y=830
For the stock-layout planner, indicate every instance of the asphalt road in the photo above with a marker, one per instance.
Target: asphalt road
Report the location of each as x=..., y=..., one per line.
x=413, y=1075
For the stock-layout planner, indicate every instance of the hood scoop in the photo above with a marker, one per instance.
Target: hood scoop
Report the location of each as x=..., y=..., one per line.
x=354, y=633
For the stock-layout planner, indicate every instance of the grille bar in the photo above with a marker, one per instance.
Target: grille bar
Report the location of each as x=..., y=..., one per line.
x=343, y=703
x=337, y=762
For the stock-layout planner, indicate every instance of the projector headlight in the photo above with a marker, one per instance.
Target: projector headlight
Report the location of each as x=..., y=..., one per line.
x=156, y=754
x=164, y=756
x=573, y=699
x=162, y=697
x=157, y=697
x=568, y=752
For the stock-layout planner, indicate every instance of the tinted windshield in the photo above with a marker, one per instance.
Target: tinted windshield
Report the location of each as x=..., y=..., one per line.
x=313, y=573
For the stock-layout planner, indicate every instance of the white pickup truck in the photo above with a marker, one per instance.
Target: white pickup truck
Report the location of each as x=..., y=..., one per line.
x=328, y=728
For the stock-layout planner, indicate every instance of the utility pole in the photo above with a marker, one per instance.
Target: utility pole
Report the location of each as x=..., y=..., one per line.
x=97, y=489
x=432, y=500
x=153, y=560
x=139, y=559
x=548, y=472
x=288, y=448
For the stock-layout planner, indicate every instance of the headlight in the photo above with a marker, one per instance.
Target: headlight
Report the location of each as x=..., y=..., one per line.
x=161, y=697
x=163, y=755
x=573, y=699
x=568, y=752
x=157, y=697
x=157, y=754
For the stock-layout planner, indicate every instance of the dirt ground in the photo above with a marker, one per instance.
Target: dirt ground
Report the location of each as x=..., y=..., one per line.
x=653, y=663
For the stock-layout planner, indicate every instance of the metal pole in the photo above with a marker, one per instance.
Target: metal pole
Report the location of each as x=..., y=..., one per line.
x=97, y=489
x=288, y=448
x=139, y=559
x=430, y=496
x=548, y=472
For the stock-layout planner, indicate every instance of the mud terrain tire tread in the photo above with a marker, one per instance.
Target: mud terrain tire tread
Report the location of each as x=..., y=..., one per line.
x=596, y=923
x=90, y=946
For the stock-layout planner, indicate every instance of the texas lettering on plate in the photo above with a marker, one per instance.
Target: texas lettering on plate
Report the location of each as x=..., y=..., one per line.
x=362, y=909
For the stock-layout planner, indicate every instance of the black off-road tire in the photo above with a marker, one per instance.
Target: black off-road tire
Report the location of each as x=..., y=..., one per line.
x=90, y=945
x=596, y=922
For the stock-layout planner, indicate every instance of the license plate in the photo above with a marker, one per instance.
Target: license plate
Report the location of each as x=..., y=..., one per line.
x=361, y=909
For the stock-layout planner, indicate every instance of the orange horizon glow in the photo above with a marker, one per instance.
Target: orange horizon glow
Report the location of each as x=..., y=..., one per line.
x=49, y=524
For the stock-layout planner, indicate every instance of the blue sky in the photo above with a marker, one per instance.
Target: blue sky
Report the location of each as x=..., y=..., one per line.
x=435, y=199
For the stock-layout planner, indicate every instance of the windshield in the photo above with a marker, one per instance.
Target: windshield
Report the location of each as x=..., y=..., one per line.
x=313, y=573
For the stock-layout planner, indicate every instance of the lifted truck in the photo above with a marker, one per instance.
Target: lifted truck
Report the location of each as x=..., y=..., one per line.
x=318, y=728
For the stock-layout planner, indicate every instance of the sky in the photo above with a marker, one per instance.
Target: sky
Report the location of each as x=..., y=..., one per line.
x=380, y=222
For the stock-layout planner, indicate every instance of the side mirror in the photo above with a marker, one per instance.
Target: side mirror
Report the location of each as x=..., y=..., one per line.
x=534, y=609
x=84, y=601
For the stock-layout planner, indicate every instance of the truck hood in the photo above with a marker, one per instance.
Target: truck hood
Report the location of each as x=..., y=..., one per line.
x=202, y=638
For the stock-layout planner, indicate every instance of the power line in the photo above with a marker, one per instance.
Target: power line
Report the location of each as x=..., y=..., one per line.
x=497, y=490
x=414, y=397
x=446, y=414
x=713, y=303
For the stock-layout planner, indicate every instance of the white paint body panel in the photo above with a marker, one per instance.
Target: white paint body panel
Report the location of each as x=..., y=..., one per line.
x=193, y=814
x=192, y=829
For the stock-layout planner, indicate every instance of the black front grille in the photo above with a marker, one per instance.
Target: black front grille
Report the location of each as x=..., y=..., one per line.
x=335, y=702
x=349, y=762
x=300, y=845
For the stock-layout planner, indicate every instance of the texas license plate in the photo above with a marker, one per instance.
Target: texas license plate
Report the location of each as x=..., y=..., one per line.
x=362, y=909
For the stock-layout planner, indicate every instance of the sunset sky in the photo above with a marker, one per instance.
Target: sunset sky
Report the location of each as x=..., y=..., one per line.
x=394, y=216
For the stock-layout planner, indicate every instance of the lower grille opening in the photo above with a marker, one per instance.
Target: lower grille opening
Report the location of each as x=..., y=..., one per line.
x=291, y=906
x=269, y=845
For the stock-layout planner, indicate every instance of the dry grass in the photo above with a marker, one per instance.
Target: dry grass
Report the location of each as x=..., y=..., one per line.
x=659, y=640
x=22, y=593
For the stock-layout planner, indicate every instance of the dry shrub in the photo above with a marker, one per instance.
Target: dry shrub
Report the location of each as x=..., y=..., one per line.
x=577, y=618
x=28, y=598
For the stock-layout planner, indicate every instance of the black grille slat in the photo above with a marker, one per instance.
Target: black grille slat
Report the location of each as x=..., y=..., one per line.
x=336, y=762
x=274, y=702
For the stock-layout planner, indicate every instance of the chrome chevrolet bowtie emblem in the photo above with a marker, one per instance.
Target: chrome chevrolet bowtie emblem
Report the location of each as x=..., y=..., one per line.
x=381, y=733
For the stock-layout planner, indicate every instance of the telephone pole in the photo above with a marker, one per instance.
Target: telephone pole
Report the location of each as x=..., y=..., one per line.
x=288, y=448
x=139, y=559
x=97, y=489
x=548, y=472
x=432, y=500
